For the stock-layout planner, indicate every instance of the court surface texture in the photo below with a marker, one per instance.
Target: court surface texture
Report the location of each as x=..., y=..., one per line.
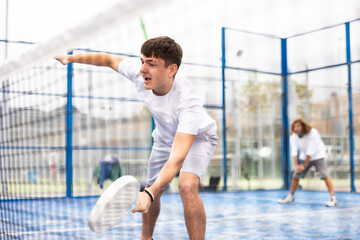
x=230, y=215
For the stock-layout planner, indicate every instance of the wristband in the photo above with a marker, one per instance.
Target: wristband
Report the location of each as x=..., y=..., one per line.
x=150, y=194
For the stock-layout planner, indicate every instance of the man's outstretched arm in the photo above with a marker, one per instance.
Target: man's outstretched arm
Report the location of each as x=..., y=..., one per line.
x=97, y=59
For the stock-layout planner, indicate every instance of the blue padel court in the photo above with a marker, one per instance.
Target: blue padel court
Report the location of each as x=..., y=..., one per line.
x=280, y=80
x=230, y=215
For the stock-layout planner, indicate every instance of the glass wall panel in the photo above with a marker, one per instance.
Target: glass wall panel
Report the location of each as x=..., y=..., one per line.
x=355, y=40
x=318, y=49
x=355, y=70
x=254, y=130
x=253, y=52
x=208, y=82
x=320, y=97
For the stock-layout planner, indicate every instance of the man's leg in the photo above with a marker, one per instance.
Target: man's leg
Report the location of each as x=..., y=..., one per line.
x=294, y=185
x=290, y=197
x=194, y=211
x=330, y=186
x=149, y=218
x=321, y=167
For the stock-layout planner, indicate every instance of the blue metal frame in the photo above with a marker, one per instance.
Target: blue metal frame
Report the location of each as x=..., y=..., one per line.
x=351, y=126
x=285, y=116
x=69, y=130
x=223, y=66
x=319, y=29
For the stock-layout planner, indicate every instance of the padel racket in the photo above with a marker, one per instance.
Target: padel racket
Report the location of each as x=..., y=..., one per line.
x=117, y=200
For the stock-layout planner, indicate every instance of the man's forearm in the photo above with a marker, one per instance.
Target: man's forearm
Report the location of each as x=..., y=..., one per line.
x=180, y=148
x=98, y=59
x=307, y=160
x=167, y=173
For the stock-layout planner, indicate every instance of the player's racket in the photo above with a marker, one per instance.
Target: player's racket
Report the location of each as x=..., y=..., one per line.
x=117, y=200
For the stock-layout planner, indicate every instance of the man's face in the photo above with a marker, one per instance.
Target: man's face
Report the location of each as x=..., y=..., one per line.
x=298, y=129
x=156, y=76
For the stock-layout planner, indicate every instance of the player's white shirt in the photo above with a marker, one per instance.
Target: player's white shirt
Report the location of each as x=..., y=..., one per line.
x=180, y=110
x=310, y=144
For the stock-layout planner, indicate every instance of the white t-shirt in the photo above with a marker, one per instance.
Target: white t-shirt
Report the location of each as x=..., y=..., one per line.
x=308, y=145
x=180, y=110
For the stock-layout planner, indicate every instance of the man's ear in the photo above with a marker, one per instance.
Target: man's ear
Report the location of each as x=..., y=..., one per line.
x=173, y=69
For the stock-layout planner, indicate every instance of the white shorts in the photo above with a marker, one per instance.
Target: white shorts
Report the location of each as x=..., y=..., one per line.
x=195, y=162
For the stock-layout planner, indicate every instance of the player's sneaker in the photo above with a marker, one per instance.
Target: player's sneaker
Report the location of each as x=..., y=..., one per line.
x=288, y=199
x=331, y=203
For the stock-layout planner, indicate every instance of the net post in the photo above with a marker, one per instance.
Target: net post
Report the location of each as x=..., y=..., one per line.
x=69, y=129
x=351, y=126
x=223, y=66
x=285, y=115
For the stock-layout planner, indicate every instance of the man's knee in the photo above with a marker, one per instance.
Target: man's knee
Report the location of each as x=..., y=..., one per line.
x=188, y=184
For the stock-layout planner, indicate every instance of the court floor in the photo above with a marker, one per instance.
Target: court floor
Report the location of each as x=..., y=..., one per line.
x=230, y=215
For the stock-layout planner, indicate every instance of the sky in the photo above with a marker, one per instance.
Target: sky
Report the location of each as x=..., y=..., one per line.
x=38, y=20
x=35, y=20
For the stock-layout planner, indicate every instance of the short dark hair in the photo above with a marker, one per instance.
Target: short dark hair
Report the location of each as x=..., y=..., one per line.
x=305, y=125
x=165, y=48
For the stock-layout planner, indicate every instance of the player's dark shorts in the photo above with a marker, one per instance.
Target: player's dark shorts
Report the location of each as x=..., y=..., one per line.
x=320, y=166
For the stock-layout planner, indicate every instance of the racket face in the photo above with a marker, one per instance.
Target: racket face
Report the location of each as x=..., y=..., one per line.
x=117, y=200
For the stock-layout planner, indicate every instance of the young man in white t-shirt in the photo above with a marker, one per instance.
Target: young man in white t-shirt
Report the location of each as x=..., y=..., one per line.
x=185, y=135
x=307, y=141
